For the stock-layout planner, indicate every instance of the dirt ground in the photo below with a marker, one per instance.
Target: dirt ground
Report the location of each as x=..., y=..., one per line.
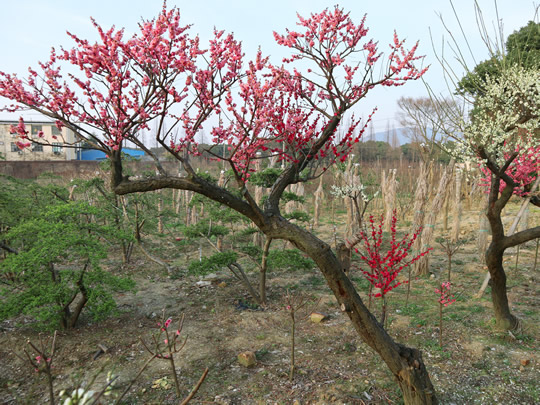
x=476, y=365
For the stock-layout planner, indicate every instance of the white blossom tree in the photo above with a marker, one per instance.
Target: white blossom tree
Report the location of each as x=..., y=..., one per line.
x=504, y=132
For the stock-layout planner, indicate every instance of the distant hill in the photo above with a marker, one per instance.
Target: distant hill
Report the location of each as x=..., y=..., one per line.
x=382, y=136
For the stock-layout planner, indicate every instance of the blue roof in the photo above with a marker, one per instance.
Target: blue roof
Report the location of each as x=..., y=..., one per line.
x=93, y=154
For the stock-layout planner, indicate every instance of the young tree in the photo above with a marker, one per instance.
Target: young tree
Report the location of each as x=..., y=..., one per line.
x=258, y=107
x=55, y=267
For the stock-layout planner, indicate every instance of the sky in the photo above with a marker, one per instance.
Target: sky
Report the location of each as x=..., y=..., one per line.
x=30, y=28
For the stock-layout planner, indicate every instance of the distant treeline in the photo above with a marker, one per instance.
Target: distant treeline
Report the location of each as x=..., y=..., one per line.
x=369, y=151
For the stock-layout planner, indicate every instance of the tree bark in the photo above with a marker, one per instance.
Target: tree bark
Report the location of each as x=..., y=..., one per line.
x=494, y=260
x=264, y=265
x=405, y=363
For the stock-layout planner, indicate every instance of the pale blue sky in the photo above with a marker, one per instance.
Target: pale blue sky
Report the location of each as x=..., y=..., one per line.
x=30, y=27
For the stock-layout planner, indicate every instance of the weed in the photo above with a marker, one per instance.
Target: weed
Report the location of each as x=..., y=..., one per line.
x=314, y=281
x=418, y=322
x=412, y=309
x=481, y=365
x=261, y=353
x=477, y=309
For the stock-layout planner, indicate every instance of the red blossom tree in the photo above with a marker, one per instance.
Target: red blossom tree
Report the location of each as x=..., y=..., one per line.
x=162, y=74
x=384, y=266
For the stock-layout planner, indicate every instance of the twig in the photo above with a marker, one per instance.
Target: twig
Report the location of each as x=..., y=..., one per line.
x=133, y=381
x=195, y=388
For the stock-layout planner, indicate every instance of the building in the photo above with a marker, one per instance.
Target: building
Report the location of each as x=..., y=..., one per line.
x=52, y=142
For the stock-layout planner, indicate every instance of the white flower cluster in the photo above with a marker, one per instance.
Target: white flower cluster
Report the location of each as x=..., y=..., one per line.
x=78, y=397
x=507, y=117
x=352, y=191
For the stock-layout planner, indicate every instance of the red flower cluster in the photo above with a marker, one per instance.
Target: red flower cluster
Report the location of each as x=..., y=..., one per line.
x=384, y=267
x=445, y=297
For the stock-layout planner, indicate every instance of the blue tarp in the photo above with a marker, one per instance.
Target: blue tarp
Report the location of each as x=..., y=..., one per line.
x=92, y=154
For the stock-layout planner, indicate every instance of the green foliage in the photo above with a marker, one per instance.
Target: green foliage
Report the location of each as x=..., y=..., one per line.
x=263, y=200
x=411, y=151
x=204, y=228
x=212, y=263
x=208, y=177
x=372, y=150
x=289, y=196
x=522, y=48
x=265, y=178
x=251, y=250
x=58, y=268
x=473, y=82
x=216, y=211
x=298, y=216
x=247, y=231
x=279, y=258
x=340, y=166
x=289, y=259
x=21, y=199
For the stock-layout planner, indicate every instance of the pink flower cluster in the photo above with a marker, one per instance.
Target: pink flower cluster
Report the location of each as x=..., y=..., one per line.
x=446, y=298
x=123, y=84
x=523, y=170
x=39, y=358
x=22, y=134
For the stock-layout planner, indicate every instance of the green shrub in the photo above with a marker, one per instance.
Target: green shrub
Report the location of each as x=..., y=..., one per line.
x=297, y=215
x=56, y=272
x=212, y=263
x=289, y=259
x=204, y=228
x=266, y=177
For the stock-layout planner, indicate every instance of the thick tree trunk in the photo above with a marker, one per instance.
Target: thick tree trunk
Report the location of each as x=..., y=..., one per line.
x=405, y=363
x=495, y=252
x=414, y=381
x=494, y=260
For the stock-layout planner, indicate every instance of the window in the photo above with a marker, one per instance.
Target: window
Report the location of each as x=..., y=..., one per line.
x=36, y=129
x=55, y=131
x=57, y=148
x=37, y=148
x=14, y=147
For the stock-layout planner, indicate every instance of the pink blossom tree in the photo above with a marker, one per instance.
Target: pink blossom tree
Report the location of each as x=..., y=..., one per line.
x=445, y=298
x=291, y=112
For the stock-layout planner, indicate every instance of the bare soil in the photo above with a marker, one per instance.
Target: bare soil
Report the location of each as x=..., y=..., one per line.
x=476, y=365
